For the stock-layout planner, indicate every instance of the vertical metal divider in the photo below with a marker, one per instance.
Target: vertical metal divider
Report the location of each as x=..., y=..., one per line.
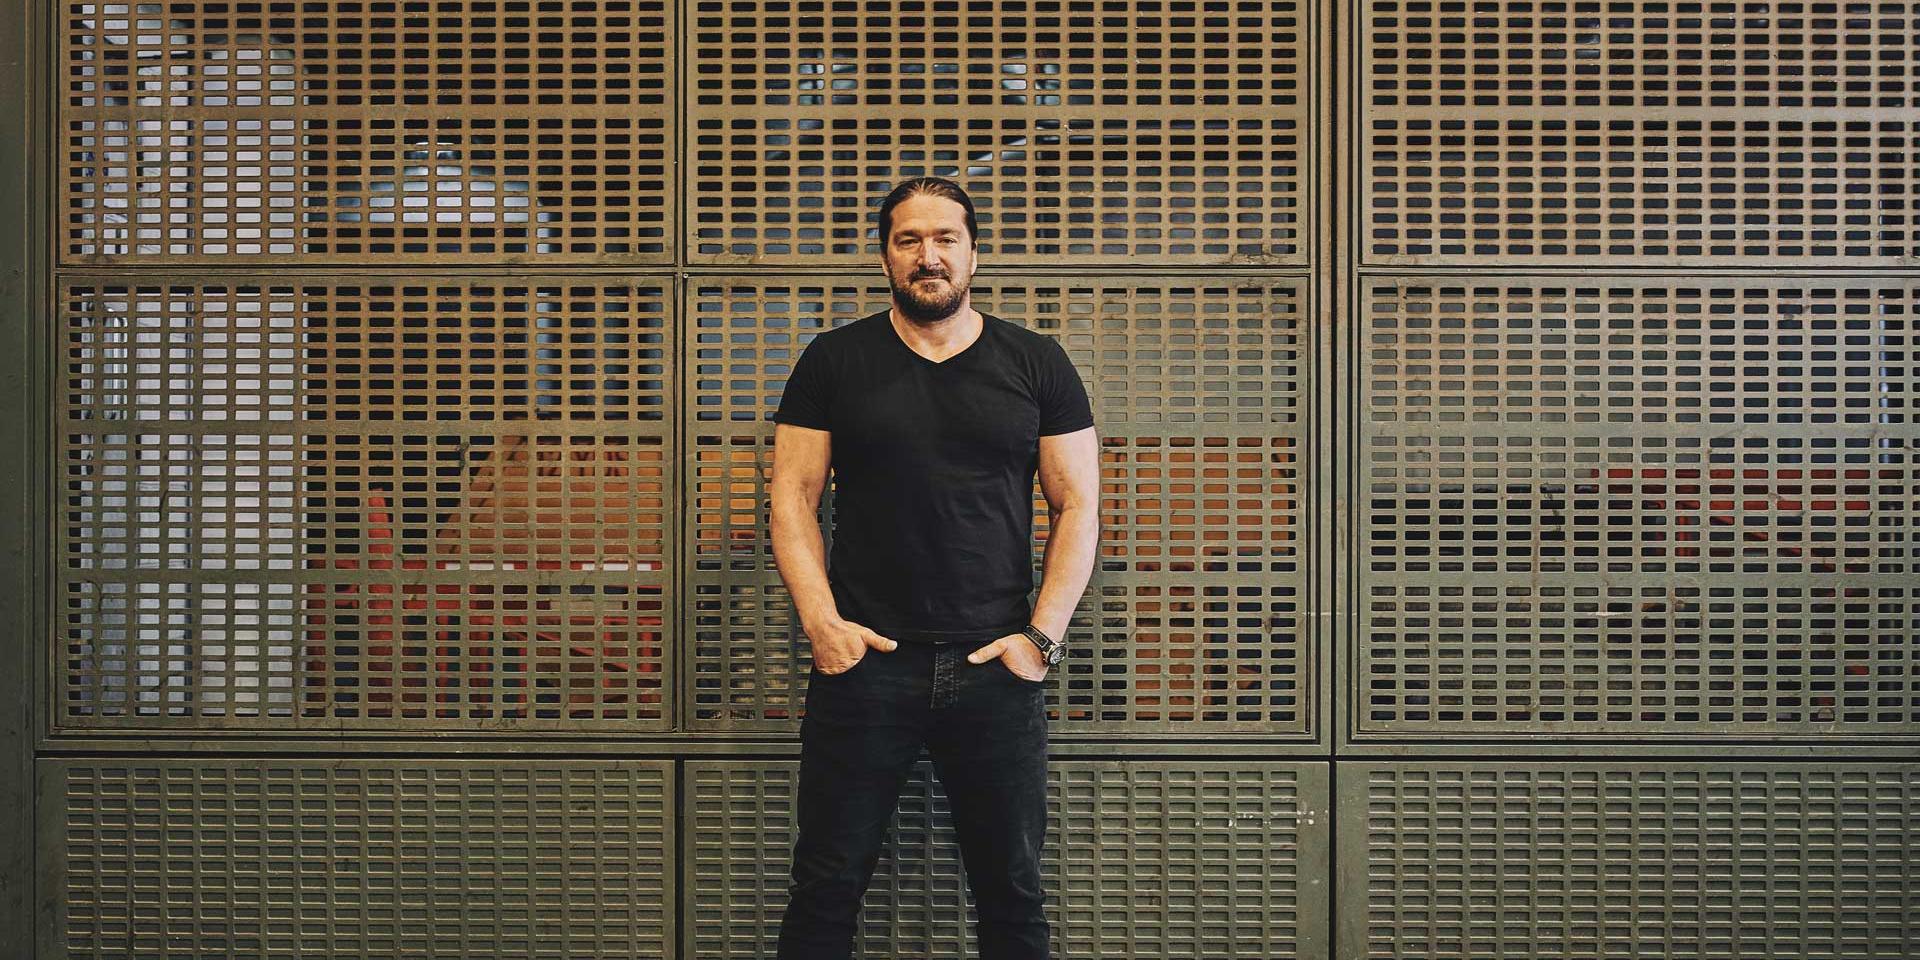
x=1327, y=531
x=677, y=355
x=680, y=687
x=25, y=283
x=680, y=935
x=23, y=295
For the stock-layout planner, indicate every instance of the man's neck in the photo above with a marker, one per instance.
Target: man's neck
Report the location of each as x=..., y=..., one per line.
x=939, y=339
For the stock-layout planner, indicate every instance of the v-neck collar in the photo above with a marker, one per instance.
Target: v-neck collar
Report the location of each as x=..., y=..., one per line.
x=893, y=334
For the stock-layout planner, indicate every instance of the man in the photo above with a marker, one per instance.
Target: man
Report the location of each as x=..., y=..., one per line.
x=933, y=418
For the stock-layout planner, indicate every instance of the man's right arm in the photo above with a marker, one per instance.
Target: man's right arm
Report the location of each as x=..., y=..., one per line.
x=801, y=459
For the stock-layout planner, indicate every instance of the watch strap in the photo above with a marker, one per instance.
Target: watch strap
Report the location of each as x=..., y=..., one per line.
x=1053, y=650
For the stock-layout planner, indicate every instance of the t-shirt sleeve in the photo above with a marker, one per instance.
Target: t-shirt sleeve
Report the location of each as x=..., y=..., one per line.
x=1063, y=399
x=809, y=393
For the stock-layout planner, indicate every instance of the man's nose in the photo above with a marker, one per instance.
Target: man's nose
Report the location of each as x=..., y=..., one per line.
x=929, y=255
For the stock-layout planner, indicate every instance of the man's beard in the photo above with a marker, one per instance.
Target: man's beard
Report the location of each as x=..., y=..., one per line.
x=925, y=304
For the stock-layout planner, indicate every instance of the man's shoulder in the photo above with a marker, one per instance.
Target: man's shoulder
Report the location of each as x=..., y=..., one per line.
x=847, y=335
x=1031, y=343
x=1014, y=332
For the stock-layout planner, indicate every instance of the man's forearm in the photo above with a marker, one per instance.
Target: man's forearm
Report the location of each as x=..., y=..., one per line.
x=1072, y=540
x=800, y=553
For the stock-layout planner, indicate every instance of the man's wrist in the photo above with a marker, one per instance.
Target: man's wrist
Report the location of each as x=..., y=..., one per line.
x=1057, y=631
x=1052, y=648
x=819, y=623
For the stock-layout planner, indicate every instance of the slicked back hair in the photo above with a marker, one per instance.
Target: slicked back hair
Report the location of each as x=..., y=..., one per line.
x=933, y=186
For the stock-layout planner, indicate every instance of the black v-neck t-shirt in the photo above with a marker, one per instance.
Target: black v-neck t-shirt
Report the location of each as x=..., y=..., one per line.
x=933, y=471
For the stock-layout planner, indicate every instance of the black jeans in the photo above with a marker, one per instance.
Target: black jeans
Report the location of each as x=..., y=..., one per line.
x=986, y=730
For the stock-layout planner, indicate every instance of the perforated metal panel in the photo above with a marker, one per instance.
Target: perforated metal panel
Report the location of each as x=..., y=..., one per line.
x=750, y=657
x=1195, y=611
x=1638, y=508
x=1655, y=496
x=345, y=503
x=367, y=131
x=1154, y=133
x=1143, y=859
x=153, y=857
x=1681, y=860
x=1639, y=133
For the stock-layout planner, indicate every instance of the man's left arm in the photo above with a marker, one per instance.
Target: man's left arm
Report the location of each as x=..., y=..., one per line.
x=1070, y=480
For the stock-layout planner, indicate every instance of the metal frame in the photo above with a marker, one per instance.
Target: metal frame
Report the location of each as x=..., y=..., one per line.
x=1334, y=279
x=409, y=809
x=1357, y=741
x=1350, y=270
x=23, y=276
x=245, y=731
x=749, y=816
x=679, y=738
x=1710, y=815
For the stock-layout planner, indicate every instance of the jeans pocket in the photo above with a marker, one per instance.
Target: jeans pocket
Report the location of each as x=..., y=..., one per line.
x=857, y=664
x=1003, y=665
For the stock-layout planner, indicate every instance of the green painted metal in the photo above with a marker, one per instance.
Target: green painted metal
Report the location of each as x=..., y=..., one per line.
x=364, y=858
x=1636, y=509
x=439, y=504
x=1389, y=328
x=23, y=193
x=1494, y=860
x=1149, y=859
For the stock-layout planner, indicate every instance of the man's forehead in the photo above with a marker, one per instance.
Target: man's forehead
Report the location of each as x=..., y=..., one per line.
x=929, y=212
x=932, y=227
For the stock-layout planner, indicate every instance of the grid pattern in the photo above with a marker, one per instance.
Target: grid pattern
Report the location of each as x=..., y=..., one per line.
x=1151, y=133
x=1638, y=509
x=367, y=131
x=1690, y=861
x=410, y=373
x=170, y=858
x=361, y=504
x=1780, y=56
x=1196, y=609
x=1645, y=133
x=1202, y=860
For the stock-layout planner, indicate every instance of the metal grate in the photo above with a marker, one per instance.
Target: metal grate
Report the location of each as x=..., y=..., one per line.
x=1144, y=859
x=174, y=858
x=1644, y=133
x=1689, y=861
x=522, y=492
x=1196, y=610
x=750, y=657
x=366, y=504
x=231, y=131
x=1171, y=133
x=1649, y=58
x=1638, y=509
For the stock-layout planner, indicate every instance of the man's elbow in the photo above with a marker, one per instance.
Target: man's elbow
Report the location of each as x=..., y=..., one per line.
x=790, y=502
x=1074, y=512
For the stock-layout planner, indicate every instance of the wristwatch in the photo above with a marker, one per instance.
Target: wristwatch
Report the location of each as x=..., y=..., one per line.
x=1053, y=650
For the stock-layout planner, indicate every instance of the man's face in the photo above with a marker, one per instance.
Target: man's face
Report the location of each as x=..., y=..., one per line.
x=929, y=258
